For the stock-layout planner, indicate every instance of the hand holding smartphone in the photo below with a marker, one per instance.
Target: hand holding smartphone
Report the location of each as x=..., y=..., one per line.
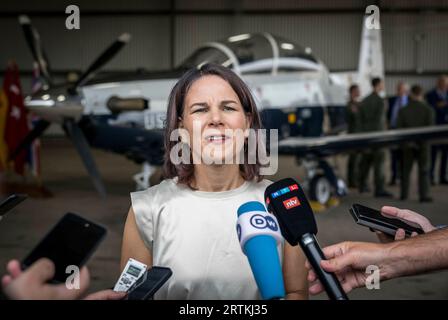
x=373, y=219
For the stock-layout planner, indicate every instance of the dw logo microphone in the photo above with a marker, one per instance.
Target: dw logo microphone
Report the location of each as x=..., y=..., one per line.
x=259, y=235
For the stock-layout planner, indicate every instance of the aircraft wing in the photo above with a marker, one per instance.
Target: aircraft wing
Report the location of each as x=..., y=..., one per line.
x=331, y=145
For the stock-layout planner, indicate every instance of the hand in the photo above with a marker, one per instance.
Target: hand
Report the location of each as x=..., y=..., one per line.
x=32, y=283
x=108, y=294
x=349, y=260
x=407, y=216
x=441, y=103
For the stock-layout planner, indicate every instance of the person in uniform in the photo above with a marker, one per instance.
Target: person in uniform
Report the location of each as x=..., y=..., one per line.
x=372, y=118
x=396, y=103
x=353, y=126
x=438, y=99
x=416, y=114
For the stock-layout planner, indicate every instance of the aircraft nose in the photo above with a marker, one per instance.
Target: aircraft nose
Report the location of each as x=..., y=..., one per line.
x=53, y=106
x=43, y=100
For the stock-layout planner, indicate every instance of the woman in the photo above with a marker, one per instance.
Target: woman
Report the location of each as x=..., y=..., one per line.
x=187, y=222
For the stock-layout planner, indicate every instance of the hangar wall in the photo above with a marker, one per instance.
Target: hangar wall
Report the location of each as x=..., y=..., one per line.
x=165, y=32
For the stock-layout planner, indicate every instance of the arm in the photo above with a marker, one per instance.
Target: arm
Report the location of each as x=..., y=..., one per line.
x=430, y=99
x=424, y=253
x=441, y=104
x=294, y=273
x=133, y=245
x=349, y=260
x=434, y=100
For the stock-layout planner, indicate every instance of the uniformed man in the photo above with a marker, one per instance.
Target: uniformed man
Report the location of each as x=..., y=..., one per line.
x=353, y=126
x=438, y=99
x=372, y=118
x=416, y=114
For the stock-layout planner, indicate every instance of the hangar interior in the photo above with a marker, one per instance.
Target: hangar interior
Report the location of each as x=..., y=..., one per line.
x=164, y=33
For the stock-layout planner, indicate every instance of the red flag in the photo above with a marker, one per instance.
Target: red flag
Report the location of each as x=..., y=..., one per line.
x=3, y=145
x=16, y=121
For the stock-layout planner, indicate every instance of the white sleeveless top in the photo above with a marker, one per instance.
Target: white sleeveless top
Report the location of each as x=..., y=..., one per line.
x=194, y=234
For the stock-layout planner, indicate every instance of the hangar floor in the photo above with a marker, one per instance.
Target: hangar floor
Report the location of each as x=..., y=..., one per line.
x=65, y=176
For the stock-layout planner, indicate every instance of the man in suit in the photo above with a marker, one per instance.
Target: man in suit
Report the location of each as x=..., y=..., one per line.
x=416, y=114
x=396, y=103
x=438, y=99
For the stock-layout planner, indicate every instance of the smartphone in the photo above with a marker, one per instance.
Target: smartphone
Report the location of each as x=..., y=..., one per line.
x=373, y=219
x=70, y=242
x=9, y=203
x=148, y=284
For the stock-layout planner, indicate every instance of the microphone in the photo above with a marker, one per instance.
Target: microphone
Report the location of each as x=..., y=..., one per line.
x=259, y=235
x=287, y=201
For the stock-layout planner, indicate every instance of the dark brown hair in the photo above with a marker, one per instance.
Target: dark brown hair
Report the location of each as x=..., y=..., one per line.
x=416, y=90
x=185, y=172
x=353, y=87
x=376, y=81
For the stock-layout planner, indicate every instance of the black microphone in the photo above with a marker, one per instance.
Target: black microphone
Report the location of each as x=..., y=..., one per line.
x=287, y=201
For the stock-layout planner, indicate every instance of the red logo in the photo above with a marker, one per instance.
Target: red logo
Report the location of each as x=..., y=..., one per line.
x=294, y=187
x=291, y=203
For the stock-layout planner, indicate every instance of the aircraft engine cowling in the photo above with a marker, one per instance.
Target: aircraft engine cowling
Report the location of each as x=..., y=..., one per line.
x=116, y=104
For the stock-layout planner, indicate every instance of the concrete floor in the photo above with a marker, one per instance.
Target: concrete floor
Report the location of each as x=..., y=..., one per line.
x=65, y=177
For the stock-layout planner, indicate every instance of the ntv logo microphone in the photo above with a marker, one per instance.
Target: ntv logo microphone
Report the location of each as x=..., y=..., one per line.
x=291, y=203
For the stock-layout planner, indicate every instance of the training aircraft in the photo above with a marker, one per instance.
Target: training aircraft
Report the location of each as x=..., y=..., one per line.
x=293, y=89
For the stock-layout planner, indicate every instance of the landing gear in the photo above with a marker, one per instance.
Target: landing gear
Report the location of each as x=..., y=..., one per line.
x=320, y=189
x=322, y=183
x=142, y=179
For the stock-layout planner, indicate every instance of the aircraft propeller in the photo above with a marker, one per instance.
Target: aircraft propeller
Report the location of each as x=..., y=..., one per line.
x=70, y=125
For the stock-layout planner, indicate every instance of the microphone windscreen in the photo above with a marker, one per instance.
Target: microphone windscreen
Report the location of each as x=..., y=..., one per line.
x=259, y=233
x=287, y=201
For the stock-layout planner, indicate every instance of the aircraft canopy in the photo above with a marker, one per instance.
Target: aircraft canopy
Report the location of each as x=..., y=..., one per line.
x=254, y=54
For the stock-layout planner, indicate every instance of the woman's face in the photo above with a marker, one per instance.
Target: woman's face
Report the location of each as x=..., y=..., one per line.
x=215, y=121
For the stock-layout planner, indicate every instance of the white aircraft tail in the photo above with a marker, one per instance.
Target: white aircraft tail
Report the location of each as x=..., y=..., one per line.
x=371, y=63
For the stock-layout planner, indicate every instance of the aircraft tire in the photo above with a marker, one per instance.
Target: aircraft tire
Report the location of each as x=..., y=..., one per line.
x=320, y=189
